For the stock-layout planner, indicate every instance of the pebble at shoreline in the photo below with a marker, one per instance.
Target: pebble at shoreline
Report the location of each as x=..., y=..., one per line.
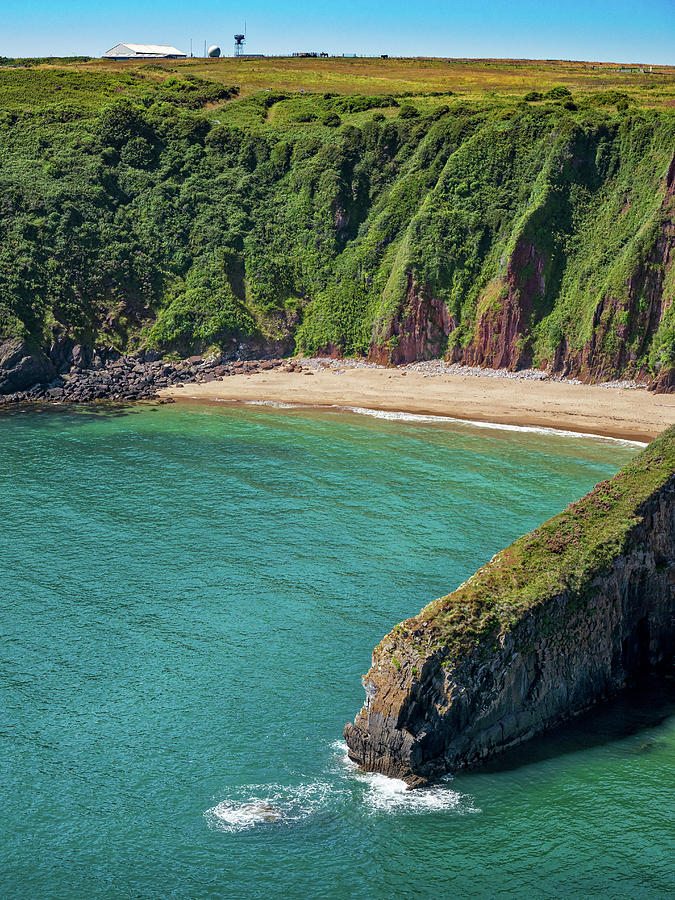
x=433, y=367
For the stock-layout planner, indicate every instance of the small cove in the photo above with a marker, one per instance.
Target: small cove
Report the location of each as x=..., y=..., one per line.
x=190, y=595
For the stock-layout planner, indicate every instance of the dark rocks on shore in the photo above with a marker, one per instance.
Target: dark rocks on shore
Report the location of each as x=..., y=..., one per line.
x=75, y=373
x=22, y=367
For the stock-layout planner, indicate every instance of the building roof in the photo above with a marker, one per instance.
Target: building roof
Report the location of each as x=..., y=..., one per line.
x=143, y=50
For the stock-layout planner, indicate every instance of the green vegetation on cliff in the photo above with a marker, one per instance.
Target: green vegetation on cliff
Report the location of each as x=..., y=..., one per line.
x=564, y=555
x=145, y=205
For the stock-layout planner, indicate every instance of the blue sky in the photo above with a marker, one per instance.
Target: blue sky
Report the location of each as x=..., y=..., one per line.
x=620, y=30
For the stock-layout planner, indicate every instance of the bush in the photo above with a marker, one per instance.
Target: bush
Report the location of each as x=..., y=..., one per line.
x=137, y=152
x=120, y=122
x=362, y=104
x=609, y=98
x=533, y=96
x=559, y=92
x=440, y=112
x=202, y=311
x=331, y=119
x=408, y=111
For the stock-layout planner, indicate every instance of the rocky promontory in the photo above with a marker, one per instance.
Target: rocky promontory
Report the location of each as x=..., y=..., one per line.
x=562, y=619
x=79, y=373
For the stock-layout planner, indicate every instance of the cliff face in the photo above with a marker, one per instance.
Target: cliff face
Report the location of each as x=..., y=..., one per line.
x=502, y=331
x=529, y=312
x=500, y=233
x=646, y=303
x=421, y=331
x=559, y=621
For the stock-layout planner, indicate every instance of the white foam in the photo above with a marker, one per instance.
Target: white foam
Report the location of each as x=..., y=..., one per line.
x=267, y=805
x=394, y=415
x=400, y=416
x=227, y=816
x=275, y=404
x=392, y=795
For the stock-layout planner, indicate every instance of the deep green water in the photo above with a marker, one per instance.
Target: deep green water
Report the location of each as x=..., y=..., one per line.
x=189, y=598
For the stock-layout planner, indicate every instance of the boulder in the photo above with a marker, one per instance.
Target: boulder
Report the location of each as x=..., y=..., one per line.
x=21, y=367
x=81, y=356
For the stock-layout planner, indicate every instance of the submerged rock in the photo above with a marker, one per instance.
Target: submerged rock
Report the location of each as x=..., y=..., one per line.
x=559, y=621
x=263, y=812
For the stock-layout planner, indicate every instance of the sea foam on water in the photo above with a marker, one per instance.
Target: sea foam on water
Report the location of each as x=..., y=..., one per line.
x=384, y=794
x=270, y=804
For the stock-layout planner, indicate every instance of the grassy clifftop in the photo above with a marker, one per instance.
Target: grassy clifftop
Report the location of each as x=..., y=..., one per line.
x=471, y=78
x=502, y=212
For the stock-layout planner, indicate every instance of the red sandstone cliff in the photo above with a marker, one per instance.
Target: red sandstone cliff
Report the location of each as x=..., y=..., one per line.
x=622, y=327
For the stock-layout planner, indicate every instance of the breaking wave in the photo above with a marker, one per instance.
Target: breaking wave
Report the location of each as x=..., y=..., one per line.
x=398, y=416
x=270, y=805
x=384, y=794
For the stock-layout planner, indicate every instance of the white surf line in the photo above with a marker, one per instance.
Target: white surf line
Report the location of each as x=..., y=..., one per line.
x=499, y=426
x=400, y=416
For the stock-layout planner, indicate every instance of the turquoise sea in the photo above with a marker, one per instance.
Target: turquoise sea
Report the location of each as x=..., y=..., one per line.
x=190, y=596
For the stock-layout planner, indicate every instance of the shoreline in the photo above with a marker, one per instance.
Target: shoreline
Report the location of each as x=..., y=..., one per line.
x=483, y=400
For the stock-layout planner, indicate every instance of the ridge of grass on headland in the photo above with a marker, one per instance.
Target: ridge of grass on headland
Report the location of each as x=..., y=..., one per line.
x=565, y=554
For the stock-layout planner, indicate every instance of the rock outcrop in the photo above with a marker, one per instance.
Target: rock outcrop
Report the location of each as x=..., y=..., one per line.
x=559, y=621
x=21, y=367
x=420, y=332
x=84, y=374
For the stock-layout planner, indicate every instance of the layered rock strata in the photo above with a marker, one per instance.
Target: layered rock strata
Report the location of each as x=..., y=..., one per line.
x=559, y=621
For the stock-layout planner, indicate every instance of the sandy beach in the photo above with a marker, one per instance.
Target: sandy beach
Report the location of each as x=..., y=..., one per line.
x=637, y=415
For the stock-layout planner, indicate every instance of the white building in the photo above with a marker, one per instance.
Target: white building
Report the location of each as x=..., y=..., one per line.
x=143, y=51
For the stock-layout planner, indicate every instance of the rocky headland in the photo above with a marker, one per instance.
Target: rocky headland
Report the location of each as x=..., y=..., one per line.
x=562, y=619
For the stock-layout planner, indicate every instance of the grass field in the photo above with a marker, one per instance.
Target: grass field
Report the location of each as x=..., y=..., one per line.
x=467, y=78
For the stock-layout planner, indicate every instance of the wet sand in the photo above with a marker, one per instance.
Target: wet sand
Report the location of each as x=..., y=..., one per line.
x=636, y=415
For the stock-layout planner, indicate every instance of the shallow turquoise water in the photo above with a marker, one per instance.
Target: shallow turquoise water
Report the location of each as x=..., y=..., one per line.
x=189, y=598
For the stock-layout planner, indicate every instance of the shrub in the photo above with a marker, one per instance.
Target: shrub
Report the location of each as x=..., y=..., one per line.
x=121, y=121
x=609, y=98
x=408, y=111
x=331, y=119
x=137, y=152
x=440, y=112
x=533, y=96
x=559, y=92
x=202, y=310
x=362, y=104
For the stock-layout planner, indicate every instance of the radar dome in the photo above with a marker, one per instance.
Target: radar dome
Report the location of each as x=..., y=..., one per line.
x=214, y=52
